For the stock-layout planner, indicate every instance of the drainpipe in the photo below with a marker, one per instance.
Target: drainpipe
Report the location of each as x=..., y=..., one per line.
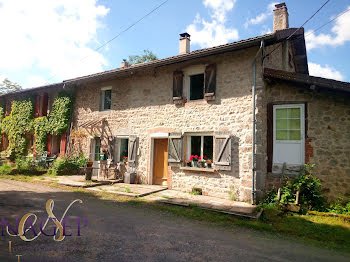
x=261, y=49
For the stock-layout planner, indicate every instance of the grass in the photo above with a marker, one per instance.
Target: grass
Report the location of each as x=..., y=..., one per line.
x=323, y=231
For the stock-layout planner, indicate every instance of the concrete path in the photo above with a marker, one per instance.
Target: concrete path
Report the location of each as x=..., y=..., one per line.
x=125, y=232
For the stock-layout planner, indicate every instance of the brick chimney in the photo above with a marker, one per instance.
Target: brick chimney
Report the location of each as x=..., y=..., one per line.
x=124, y=63
x=184, y=43
x=280, y=17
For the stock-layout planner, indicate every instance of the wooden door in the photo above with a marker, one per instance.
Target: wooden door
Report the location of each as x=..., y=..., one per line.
x=160, y=162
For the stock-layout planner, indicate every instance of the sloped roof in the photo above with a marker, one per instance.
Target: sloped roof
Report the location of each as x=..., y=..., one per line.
x=307, y=80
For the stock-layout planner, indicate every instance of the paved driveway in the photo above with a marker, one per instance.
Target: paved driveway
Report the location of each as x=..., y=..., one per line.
x=123, y=232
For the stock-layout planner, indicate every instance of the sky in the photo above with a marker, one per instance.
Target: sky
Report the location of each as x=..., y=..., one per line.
x=50, y=41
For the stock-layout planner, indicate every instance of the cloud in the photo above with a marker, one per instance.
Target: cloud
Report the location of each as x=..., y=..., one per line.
x=215, y=32
x=326, y=71
x=51, y=36
x=261, y=17
x=340, y=34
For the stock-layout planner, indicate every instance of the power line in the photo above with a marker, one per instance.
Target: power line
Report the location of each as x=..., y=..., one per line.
x=319, y=9
x=335, y=18
x=126, y=29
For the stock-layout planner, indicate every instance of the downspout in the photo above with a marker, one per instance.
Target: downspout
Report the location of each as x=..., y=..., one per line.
x=261, y=49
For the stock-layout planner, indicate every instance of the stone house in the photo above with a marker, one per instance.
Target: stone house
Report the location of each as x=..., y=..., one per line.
x=250, y=107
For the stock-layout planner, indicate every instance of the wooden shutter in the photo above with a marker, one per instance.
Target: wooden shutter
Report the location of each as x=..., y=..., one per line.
x=210, y=82
x=175, y=148
x=44, y=104
x=132, y=149
x=269, y=136
x=37, y=106
x=178, y=87
x=223, y=152
x=63, y=144
x=49, y=144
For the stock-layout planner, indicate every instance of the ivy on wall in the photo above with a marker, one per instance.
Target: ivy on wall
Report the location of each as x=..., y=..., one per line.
x=17, y=124
x=21, y=122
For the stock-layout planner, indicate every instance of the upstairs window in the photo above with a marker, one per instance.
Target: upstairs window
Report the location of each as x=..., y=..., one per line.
x=196, y=87
x=106, y=98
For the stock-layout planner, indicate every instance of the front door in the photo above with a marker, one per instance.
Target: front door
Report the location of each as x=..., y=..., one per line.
x=160, y=162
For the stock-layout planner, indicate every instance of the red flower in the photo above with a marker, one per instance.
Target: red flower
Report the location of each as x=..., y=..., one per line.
x=205, y=157
x=196, y=156
x=199, y=158
x=191, y=157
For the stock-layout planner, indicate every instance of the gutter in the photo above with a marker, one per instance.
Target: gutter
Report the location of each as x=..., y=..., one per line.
x=261, y=49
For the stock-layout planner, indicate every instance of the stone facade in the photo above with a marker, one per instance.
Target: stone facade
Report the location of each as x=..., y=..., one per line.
x=142, y=105
x=327, y=135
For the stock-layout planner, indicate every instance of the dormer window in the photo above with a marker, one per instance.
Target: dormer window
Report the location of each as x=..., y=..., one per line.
x=106, y=98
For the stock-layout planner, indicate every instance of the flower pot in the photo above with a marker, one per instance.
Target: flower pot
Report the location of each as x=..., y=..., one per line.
x=89, y=164
x=129, y=178
x=189, y=164
x=209, y=165
x=201, y=164
x=194, y=163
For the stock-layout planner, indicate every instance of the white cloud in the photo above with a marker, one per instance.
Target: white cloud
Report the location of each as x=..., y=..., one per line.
x=340, y=34
x=213, y=33
x=50, y=35
x=326, y=71
x=261, y=17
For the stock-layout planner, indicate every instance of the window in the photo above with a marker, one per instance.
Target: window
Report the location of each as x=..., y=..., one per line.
x=97, y=148
x=201, y=145
x=123, y=149
x=197, y=87
x=288, y=134
x=288, y=126
x=106, y=98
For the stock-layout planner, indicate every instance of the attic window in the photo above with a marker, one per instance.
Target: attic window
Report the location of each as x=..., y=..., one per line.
x=196, y=87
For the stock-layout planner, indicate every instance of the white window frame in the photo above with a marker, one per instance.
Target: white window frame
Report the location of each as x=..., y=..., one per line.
x=119, y=138
x=103, y=89
x=190, y=71
x=302, y=130
x=202, y=135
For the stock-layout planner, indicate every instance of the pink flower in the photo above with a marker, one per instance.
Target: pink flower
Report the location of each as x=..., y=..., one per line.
x=191, y=157
x=196, y=156
x=199, y=158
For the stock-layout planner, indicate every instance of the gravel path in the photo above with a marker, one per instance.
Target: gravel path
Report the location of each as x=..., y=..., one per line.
x=122, y=232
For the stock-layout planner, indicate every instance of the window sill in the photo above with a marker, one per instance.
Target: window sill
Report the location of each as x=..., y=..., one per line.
x=198, y=169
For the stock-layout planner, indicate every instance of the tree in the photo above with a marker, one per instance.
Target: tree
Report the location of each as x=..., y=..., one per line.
x=146, y=57
x=6, y=86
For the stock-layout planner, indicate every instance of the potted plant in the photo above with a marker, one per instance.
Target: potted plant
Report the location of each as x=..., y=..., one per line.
x=194, y=159
x=96, y=135
x=188, y=163
x=125, y=160
x=201, y=162
x=209, y=163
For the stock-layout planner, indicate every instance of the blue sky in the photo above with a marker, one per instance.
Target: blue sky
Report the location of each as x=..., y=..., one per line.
x=46, y=40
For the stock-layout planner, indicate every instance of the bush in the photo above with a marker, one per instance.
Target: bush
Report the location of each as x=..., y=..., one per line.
x=5, y=169
x=27, y=166
x=309, y=187
x=68, y=165
x=340, y=207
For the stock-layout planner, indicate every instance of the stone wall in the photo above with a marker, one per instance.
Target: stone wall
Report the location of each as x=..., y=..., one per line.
x=327, y=143
x=142, y=105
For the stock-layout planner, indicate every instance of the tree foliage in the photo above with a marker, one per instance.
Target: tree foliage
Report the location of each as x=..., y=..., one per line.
x=146, y=57
x=6, y=86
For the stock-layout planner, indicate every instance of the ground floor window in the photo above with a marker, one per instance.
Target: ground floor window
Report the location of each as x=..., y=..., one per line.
x=97, y=148
x=123, y=149
x=200, y=145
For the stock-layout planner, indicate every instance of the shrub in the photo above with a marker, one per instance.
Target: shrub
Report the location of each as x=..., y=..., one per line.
x=340, y=207
x=5, y=169
x=68, y=165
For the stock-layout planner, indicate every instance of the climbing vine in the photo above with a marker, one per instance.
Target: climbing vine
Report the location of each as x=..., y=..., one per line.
x=21, y=121
x=58, y=119
x=17, y=124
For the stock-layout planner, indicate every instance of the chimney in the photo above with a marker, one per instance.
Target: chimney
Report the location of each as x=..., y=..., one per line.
x=280, y=17
x=124, y=63
x=184, y=43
